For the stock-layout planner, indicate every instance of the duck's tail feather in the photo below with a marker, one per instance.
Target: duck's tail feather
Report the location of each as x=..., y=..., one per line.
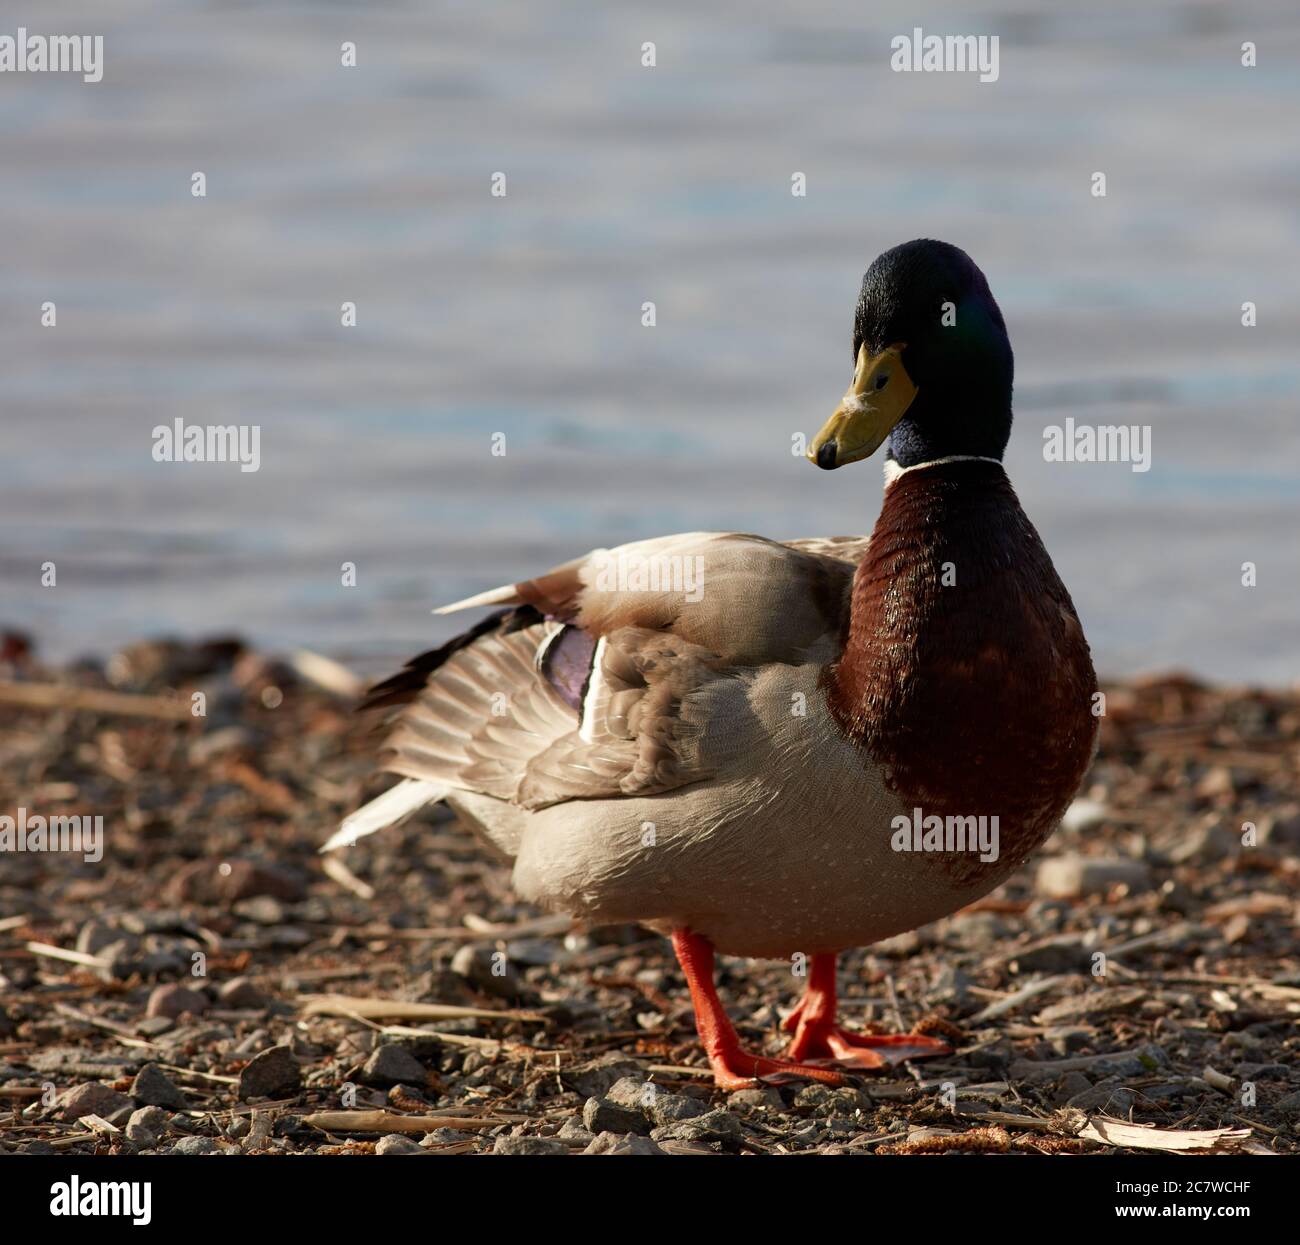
x=397, y=803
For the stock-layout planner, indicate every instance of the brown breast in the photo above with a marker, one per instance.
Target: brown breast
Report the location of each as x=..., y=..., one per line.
x=965, y=672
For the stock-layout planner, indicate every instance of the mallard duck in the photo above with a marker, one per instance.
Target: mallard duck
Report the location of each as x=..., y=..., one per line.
x=782, y=749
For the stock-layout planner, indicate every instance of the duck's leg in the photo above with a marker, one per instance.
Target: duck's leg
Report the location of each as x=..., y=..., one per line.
x=733, y=1068
x=817, y=1036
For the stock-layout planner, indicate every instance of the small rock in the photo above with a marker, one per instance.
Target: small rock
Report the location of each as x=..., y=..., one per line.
x=673, y=1108
x=175, y=1000
x=92, y=1098
x=1108, y=1098
x=241, y=993
x=633, y=1092
x=716, y=1125
x=596, y=1078
x=761, y=1098
x=94, y=936
x=154, y=1088
x=194, y=1145
x=487, y=970
x=1071, y=1085
x=1070, y=877
x=600, y=1115
x=1204, y=843
x=529, y=1145
x=154, y=1026
x=572, y=1130
x=612, y=1143
x=270, y=1074
x=1066, y=1039
x=1084, y=815
x=153, y=1118
x=138, y=1135
x=395, y=1143
x=391, y=1064
x=260, y=909
x=1289, y=1107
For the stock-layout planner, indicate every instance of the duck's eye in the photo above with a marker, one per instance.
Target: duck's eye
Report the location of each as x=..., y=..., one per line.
x=882, y=381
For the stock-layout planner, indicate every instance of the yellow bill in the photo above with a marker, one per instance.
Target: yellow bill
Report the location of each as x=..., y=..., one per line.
x=881, y=391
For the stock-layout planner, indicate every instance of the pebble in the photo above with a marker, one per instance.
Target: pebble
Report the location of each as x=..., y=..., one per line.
x=260, y=909
x=153, y=1087
x=600, y=1115
x=241, y=993
x=1110, y=1099
x=1084, y=815
x=487, y=970
x=1066, y=1039
x=138, y=1135
x=528, y=1145
x=92, y=1098
x=395, y=1143
x=153, y=1118
x=194, y=1145
x=1288, y=1107
x=612, y=1143
x=94, y=936
x=1071, y=877
x=391, y=1064
x=595, y=1079
x=716, y=1125
x=1071, y=1085
x=572, y=1130
x=272, y=1073
x=154, y=1026
x=175, y=1000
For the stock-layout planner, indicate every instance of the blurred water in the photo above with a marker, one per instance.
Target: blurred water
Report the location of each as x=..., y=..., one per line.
x=522, y=315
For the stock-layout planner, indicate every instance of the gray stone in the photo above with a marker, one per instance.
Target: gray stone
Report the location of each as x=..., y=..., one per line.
x=175, y=1000
x=1108, y=1098
x=600, y=1115
x=1288, y=1107
x=154, y=1088
x=240, y=992
x=1066, y=1039
x=272, y=1073
x=194, y=1145
x=528, y=1145
x=138, y=1135
x=597, y=1078
x=92, y=1098
x=760, y=1098
x=1071, y=877
x=94, y=936
x=1071, y=1085
x=1084, y=815
x=612, y=1143
x=395, y=1143
x=155, y=1119
x=391, y=1064
x=716, y=1125
x=673, y=1108
x=487, y=970
x=572, y=1130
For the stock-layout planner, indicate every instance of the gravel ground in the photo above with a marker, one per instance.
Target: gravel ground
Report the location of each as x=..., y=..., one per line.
x=212, y=985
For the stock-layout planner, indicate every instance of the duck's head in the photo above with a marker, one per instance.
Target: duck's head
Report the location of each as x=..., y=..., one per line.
x=932, y=363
